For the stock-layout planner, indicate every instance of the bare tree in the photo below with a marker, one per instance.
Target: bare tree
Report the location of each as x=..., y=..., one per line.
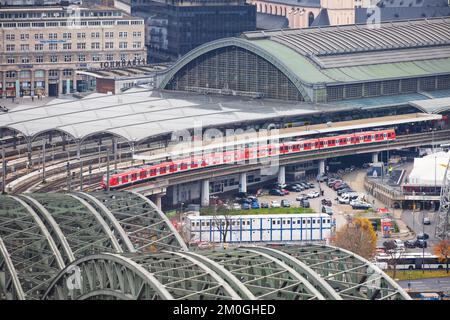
x=222, y=221
x=394, y=254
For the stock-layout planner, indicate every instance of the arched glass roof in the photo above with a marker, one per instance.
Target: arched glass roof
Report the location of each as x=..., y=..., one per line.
x=130, y=248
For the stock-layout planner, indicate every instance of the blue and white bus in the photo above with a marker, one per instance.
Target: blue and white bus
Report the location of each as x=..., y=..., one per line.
x=258, y=228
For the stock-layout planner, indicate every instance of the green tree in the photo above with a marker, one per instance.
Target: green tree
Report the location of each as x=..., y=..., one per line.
x=358, y=236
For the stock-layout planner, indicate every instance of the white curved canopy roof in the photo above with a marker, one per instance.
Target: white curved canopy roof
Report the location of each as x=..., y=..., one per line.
x=139, y=114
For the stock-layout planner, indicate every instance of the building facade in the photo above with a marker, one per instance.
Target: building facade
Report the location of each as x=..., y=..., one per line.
x=319, y=65
x=175, y=27
x=42, y=48
x=306, y=13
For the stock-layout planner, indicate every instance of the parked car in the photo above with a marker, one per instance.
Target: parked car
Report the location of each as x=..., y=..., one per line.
x=285, y=203
x=275, y=204
x=293, y=187
x=314, y=194
x=344, y=200
x=236, y=206
x=423, y=236
x=322, y=178
x=328, y=210
x=410, y=244
x=420, y=243
x=327, y=202
x=255, y=205
x=359, y=205
x=264, y=205
x=299, y=186
x=343, y=190
x=245, y=206
x=301, y=197
x=331, y=183
x=311, y=185
x=276, y=192
x=426, y=221
x=305, y=203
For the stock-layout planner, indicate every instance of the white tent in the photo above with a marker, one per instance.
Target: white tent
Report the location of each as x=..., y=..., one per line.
x=430, y=169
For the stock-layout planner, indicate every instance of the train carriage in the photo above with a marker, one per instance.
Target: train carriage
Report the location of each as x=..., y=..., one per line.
x=216, y=157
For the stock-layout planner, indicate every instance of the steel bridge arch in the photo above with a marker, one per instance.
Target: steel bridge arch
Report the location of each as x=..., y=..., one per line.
x=241, y=43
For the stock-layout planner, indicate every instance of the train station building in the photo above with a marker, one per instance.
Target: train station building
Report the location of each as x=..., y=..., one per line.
x=321, y=65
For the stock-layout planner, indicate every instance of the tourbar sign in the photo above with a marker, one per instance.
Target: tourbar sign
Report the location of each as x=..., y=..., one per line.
x=122, y=63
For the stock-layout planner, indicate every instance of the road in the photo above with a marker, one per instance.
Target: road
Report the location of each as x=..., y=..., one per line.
x=414, y=222
x=431, y=284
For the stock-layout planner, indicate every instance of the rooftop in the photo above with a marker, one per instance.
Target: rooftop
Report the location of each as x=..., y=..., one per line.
x=364, y=52
x=139, y=114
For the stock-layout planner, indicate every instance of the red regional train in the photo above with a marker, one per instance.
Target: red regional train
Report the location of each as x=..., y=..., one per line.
x=136, y=175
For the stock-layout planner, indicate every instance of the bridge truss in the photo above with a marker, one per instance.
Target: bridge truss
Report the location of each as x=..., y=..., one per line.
x=118, y=245
x=443, y=218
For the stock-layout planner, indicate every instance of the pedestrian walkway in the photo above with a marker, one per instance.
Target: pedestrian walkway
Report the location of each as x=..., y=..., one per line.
x=29, y=101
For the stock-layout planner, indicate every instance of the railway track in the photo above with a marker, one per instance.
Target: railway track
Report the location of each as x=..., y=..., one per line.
x=57, y=177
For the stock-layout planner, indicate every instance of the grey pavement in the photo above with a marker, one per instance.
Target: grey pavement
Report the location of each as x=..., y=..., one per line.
x=430, y=284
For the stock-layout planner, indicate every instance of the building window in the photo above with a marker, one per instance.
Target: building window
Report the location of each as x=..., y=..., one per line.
x=38, y=36
x=335, y=93
x=67, y=72
x=391, y=87
x=109, y=45
x=53, y=36
x=95, y=45
x=10, y=60
x=81, y=45
x=53, y=46
x=39, y=47
x=25, y=74
x=39, y=73
x=24, y=47
x=10, y=47
x=408, y=85
x=67, y=35
x=67, y=58
x=25, y=60
x=137, y=56
x=353, y=91
x=81, y=35
x=24, y=36
x=123, y=34
x=53, y=73
x=109, y=57
x=10, y=37
x=136, y=44
x=95, y=57
x=81, y=57
x=123, y=45
x=123, y=56
x=95, y=35
x=67, y=46
x=10, y=74
x=137, y=34
x=109, y=34
x=372, y=89
x=53, y=58
x=39, y=59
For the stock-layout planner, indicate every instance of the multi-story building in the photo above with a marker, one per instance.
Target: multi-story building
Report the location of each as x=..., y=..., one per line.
x=44, y=49
x=175, y=27
x=306, y=13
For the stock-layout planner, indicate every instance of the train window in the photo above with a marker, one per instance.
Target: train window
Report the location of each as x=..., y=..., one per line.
x=198, y=224
x=299, y=221
x=293, y=221
x=203, y=223
x=308, y=221
x=304, y=221
x=314, y=221
x=273, y=222
x=328, y=220
x=193, y=224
